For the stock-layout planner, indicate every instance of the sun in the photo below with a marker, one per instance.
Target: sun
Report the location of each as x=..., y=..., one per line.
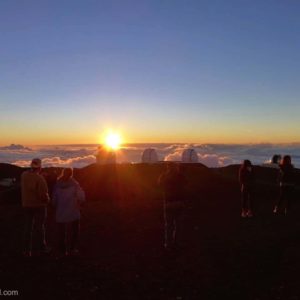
x=113, y=141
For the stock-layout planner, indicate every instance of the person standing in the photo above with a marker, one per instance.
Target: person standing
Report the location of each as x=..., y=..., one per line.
x=35, y=199
x=173, y=182
x=67, y=199
x=246, y=179
x=286, y=178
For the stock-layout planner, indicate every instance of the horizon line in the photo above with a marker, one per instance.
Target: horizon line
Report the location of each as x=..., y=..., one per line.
x=158, y=143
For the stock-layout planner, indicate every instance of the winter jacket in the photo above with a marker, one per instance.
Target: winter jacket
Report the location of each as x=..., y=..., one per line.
x=286, y=175
x=34, y=190
x=246, y=177
x=173, y=185
x=67, y=197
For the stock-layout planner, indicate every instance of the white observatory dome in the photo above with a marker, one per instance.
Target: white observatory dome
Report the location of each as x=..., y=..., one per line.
x=189, y=156
x=149, y=156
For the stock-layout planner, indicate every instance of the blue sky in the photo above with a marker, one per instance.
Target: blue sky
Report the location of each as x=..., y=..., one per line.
x=158, y=71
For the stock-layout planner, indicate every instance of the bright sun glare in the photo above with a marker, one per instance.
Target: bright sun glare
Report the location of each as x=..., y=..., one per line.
x=113, y=141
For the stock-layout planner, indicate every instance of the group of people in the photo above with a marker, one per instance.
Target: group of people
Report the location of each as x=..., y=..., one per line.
x=173, y=181
x=67, y=198
x=285, y=180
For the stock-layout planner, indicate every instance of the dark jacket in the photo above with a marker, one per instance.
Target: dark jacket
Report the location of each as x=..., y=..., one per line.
x=286, y=175
x=246, y=177
x=173, y=184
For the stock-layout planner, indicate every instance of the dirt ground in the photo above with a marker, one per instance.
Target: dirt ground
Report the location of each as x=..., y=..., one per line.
x=221, y=257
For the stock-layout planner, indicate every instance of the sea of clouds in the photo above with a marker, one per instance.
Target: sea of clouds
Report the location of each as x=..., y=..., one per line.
x=212, y=155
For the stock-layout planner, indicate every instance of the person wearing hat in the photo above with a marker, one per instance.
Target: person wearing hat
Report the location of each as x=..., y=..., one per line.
x=35, y=199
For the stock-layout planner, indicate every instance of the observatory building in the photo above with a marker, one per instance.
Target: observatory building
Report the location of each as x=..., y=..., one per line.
x=149, y=156
x=105, y=157
x=189, y=156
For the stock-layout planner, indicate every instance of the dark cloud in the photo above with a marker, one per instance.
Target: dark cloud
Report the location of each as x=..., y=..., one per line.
x=15, y=147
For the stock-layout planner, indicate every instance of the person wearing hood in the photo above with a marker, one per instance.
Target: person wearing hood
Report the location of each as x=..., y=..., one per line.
x=67, y=199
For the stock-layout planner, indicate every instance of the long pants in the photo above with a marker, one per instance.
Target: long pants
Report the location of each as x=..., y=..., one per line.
x=35, y=219
x=173, y=225
x=246, y=198
x=285, y=196
x=63, y=229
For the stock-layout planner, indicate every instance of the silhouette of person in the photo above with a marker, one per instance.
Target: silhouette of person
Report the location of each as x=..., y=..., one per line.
x=286, y=179
x=173, y=182
x=67, y=199
x=276, y=159
x=35, y=199
x=274, y=162
x=246, y=179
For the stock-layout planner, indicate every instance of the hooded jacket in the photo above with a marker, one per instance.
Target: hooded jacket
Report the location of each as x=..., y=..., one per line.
x=67, y=197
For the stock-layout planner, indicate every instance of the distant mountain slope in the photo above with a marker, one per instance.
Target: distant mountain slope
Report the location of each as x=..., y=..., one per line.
x=10, y=171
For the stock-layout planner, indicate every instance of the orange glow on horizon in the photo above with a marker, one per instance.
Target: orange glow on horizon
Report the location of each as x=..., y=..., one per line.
x=115, y=138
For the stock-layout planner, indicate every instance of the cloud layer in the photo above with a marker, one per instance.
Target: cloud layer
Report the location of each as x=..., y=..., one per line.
x=212, y=155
